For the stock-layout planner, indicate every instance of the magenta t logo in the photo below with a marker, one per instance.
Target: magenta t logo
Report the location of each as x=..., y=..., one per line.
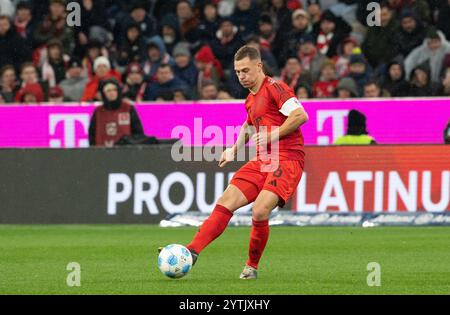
x=69, y=137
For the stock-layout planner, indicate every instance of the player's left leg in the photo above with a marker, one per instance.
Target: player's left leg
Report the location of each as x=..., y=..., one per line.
x=279, y=187
x=263, y=206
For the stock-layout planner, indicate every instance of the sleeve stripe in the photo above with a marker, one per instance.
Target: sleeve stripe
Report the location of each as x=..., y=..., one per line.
x=290, y=105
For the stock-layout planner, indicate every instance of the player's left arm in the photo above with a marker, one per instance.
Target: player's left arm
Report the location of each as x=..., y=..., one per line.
x=296, y=117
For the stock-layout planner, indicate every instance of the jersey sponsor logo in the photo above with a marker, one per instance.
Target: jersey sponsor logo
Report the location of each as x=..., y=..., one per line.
x=124, y=119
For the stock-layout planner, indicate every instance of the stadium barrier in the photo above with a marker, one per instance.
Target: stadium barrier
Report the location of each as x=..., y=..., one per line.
x=390, y=121
x=145, y=185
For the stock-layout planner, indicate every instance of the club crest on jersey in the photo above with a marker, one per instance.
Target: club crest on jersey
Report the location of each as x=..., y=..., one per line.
x=111, y=129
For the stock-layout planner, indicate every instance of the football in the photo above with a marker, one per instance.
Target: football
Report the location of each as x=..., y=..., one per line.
x=175, y=261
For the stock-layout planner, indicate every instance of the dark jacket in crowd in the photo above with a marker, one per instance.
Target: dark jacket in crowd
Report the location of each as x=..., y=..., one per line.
x=246, y=21
x=379, y=45
x=405, y=42
x=155, y=89
x=225, y=52
x=396, y=88
x=14, y=50
x=430, y=89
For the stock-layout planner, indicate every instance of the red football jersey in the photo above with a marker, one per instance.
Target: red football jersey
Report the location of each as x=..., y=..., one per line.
x=263, y=110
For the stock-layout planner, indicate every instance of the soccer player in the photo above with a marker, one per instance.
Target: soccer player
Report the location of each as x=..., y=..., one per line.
x=269, y=180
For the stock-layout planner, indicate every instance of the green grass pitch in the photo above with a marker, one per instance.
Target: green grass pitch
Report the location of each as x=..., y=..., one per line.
x=122, y=259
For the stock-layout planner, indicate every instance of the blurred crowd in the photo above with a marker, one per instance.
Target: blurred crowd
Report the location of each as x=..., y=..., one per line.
x=177, y=50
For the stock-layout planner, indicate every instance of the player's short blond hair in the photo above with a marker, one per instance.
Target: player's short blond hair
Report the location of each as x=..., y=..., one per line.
x=247, y=51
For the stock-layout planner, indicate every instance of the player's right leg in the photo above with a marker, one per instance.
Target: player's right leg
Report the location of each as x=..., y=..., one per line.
x=231, y=200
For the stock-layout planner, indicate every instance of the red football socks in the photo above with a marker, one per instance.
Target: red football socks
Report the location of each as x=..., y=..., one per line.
x=258, y=240
x=211, y=228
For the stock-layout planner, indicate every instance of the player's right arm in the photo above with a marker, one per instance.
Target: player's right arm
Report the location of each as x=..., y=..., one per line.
x=229, y=154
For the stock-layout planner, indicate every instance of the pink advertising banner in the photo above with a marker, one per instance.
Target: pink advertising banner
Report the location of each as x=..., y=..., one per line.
x=389, y=121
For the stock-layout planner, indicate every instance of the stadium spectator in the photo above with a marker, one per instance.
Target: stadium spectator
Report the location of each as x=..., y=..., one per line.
x=303, y=91
x=53, y=63
x=420, y=82
x=310, y=58
x=29, y=76
x=93, y=50
x=292, y=74
x=447, y=133
x=73, y=86
x=180, y=95
x=360, y=71
x=210, y=22
x=56, y=95
x=347, y=88
x=357, y=133
x=420, y=7
x=156, y=56
x=30, y=94
x=103, y=71
x=245, y=16
x=170, y=33
x=379, y=44
x=372, y=89
x=188, y=22
x=345, y=50
x=442, y=20
x=394, y=79
x=13, y=48
x=209, y=68
x=280, y=15
x=138, y=13
x=165, y=81
x=8, y=83
x=314, y=10
x=266, y=32
x=445, y=86
x=286, y=43
x=24, y=21
x=54, y=26
x=223, y=94
x=326, y=86
x=135, y=86
x=208, y=91
x=184, y=67
x=432, y=51
x=93, y=26
x=113, y=120
x=269, y=61
x=131, y=46
x=411, y=33
x=226, y=43
x=332, y=30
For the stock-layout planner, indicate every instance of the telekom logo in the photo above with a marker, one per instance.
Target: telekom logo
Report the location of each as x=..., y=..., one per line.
x=69, y=139
x=337, y=122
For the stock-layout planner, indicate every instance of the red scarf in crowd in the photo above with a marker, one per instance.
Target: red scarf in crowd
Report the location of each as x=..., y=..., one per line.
x=324, y=42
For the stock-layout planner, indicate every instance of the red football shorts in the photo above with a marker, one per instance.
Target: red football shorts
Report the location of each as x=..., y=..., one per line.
x=282, y=180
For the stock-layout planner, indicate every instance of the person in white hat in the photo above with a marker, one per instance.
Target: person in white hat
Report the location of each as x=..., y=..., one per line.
x=103, y=71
